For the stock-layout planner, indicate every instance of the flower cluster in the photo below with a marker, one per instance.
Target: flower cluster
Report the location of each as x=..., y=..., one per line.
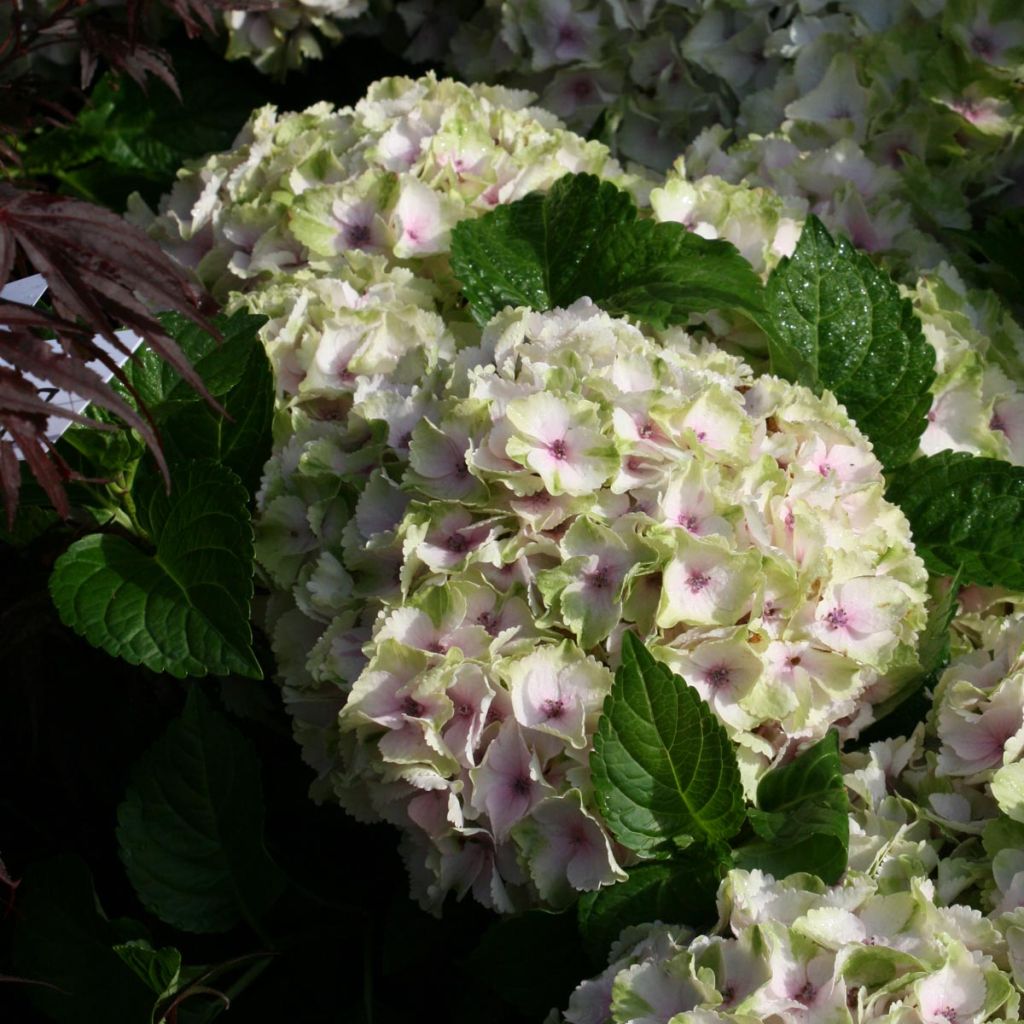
x=566, y=478
x=796, y=950
x=280, y=36
x=936, y=830
x=886, y=117
x=389, y=177
x=460, y=525
x=978, y=406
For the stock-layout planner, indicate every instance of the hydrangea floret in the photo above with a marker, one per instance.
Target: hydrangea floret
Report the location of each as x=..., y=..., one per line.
x=280, y=36
x=936, y=830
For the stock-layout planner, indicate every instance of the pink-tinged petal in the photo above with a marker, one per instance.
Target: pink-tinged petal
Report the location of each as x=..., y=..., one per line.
x=418, y=221
x=862, y=617
x=1008, y=419
x=557, y=690
x=508, y=782
x=471, y=697
x=706, y=584
x=543, y=417
x=955, y=993
x=565, y=848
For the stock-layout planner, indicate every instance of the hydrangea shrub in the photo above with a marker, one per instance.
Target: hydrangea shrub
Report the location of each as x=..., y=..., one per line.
x=462, y=519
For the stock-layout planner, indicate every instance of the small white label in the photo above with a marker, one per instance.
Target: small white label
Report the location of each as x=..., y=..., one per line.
x=29, y=291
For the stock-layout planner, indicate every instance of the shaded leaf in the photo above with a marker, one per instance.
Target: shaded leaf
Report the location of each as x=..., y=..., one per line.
x=191, y=826
x=663, y=765
x=681, y=890
x=802, y=817
x=966, y=514
x=184, y=609
x=505, y=961
x=160, y=969
x=840, y=323
x=62, y=940
x=583, y=238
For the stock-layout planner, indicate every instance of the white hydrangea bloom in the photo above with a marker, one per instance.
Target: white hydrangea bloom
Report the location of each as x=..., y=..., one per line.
x=892, y=120
x=928, y=922
x=978, y=403
x=796, y=951
x=566, y=478
x=389, y=177
x=282, y=35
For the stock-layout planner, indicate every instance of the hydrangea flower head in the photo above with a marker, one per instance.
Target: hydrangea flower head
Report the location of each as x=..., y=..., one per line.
x=608, y=478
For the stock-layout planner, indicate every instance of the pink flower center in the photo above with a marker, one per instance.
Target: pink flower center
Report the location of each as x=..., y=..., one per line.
x=646, y=430
x=457, y=544
x=464, y=710
x=697, y=581
x=717, y=676
x=521, y=785
x=357, y=235
x=982, y=45
x=582, y=89
x=836, y=618
x=578, y=837
x=568, y=33
x=598, y=579
x=553, y=708
x=690, y=521
x=996, y=423
x=557, y=449
x=412, y=707
x=806, y=994
x=949, y=1013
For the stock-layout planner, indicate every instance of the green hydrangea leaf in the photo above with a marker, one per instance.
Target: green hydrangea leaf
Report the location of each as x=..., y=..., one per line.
x=840, y=323
x=801, y=821
x=191, y=826
x=966, y=513
x=182, y=608
x=242, y=439
x=62, y=939
x=584, y=238
x=220, y=364
x=661, y=273
x=160, y=969
x=681, y=890
x=131, y=137
x=663, y=766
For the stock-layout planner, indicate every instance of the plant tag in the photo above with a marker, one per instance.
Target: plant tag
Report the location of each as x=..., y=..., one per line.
x=28, y=291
